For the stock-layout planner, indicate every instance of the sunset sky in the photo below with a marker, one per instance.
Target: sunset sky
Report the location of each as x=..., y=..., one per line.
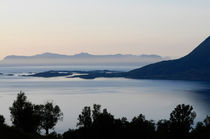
x=163, y=27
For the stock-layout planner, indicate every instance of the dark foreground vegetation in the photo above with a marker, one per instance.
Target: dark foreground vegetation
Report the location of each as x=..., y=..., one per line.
x=29, y=121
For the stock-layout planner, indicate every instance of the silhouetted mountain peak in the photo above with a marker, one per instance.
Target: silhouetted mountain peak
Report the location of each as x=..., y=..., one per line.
x=194, y=66
x=201, y=53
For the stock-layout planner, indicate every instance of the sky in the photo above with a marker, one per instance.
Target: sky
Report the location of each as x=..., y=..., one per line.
x=164, y=27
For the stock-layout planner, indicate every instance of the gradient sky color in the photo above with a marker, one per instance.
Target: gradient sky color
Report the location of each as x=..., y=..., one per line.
x=164, y=27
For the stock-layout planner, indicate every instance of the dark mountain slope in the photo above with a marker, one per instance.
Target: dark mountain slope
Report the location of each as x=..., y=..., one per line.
x=194, y=66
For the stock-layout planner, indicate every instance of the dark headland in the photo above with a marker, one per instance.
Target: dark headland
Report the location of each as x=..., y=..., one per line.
x=194, y=66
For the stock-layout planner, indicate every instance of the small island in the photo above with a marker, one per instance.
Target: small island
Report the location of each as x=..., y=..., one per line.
x=80, y=74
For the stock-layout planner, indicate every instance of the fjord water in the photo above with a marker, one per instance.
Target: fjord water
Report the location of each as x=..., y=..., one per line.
x=122, y=97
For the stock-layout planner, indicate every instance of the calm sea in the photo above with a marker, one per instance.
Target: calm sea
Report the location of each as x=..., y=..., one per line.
x=122, y=97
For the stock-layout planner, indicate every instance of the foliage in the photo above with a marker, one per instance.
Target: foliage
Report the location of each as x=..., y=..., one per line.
x=85, y=118
x=140, y=127
x=23, y=114
x=50, y=115
x=96, y=111
x=181, y=119
x=33, y=118
x=2, y=120
x=28, y=119
x=202, y=130
x=163, y=129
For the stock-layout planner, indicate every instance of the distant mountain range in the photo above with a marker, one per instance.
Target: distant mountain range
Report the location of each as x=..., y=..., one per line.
x=80, y=59
x=194, y=66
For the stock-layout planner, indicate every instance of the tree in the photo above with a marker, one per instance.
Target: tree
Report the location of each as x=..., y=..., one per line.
x=96, y=111
x=2, y=120
x=23, y=115
x=142, y=128
x=104, y=120
x=85, y=118
x=181, y=119
x=202, y=130
x=50, y=115
x=207, y=121
x=104, y=125
x=163, y=131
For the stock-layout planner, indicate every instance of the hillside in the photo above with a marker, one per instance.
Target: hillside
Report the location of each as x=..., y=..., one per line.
x=194, y=66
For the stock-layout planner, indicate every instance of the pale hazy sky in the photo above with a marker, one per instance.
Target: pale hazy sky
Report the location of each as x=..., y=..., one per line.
x=164, y=27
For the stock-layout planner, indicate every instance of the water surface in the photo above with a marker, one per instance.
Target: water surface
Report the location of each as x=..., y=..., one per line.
x=122, y=97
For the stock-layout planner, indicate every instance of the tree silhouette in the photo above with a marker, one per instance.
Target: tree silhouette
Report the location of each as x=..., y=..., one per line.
x=104, y=125
x=100, y=125
x=23, y=115
x=50, y=115
x=181, y=119
x=202, y=130
x=84, y=118
x=142, y=128
x=2, y=120
x=207, y=121
x=96, y=111
x=163, y=131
